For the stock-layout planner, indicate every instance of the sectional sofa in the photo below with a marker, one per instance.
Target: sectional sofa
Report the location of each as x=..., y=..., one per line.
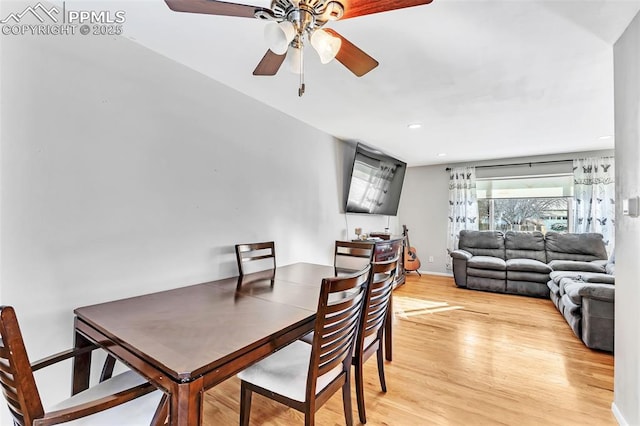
x=584, y=293
x=570, y=269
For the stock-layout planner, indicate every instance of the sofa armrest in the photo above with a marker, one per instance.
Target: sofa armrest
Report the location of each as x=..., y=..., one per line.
x=461, y=254
x=460, y=258
x=602, y=292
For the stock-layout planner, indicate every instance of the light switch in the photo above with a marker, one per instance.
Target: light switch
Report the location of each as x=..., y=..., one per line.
x=631, y=206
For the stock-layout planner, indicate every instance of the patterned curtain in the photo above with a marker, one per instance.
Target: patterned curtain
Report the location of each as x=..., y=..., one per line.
x=463, y=204
x=594, y=187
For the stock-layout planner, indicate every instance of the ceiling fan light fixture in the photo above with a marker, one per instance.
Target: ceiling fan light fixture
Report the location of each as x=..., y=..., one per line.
x=279, y=35
x=294, y=59
x=326, y=45
x=333, y=11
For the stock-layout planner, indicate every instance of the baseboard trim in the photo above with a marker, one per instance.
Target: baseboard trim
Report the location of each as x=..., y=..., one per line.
x=440, y=274
x=618, y=415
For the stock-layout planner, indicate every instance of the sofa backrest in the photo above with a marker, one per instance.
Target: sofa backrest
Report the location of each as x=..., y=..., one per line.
x=525, y=245
x=585, y=247
x=482, y=243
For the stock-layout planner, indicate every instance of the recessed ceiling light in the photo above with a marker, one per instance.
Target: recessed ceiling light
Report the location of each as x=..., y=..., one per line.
x=442, y=154
x=414, y=126
x=605, y=137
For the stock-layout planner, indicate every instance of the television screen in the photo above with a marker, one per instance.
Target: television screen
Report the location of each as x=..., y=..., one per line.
x=376, y=183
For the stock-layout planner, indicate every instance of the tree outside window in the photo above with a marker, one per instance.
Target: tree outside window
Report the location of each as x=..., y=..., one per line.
x=524, y=214
x=541, y=203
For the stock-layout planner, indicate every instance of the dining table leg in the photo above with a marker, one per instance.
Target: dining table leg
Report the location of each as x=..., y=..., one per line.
x=186, y=404
x=81, y=370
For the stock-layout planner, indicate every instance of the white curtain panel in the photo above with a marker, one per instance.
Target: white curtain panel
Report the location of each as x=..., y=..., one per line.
x=463, y=205
x=594, y=190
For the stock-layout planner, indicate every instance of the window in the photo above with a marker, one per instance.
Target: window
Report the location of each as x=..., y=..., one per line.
x=532, y=203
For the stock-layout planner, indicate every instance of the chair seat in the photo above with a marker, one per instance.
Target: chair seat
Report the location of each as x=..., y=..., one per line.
x=139, y=411
x=285, y=372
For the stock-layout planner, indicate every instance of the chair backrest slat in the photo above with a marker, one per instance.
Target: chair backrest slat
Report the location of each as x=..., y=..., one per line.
x=254, y=254
x=376, y=306
x=337, y=319
x=350, y=256
x=18, y=384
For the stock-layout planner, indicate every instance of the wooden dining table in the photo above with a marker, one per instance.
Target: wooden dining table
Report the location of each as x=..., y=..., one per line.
x=189, y=339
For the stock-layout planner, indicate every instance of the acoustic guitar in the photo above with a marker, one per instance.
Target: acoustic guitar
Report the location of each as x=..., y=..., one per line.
x=411, y=261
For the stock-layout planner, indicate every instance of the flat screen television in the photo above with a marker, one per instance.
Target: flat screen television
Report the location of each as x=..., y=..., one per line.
x=375, y=183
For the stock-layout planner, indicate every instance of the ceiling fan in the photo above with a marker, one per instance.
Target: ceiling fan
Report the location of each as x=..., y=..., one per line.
x=292, y=20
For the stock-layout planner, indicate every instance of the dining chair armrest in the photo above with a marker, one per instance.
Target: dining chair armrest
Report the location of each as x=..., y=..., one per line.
x=61, y=356
x=88, y=408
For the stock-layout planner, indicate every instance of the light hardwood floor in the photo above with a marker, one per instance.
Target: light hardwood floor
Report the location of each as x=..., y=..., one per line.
x=463, y=357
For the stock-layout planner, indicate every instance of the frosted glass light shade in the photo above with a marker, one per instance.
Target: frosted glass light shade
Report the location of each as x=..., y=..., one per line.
x=326, y=45
x=278, y=36
x=294, y=58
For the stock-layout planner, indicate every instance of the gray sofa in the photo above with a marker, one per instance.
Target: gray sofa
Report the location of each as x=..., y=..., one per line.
x=571, y=269
x=584, y=293
x=519, y=262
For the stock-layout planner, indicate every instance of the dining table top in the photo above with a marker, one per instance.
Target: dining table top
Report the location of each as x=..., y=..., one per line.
x=188, y=331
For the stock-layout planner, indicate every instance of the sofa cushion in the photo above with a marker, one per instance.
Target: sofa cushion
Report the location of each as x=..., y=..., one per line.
x=487, y=284
x=533, y=277
x=482, y=243
x=586, y=247
x=589, y=277
x=572, y=290
x=577, y=265
x=525, y=245
x=564, y=282
x=487, y=262
x=486, y=273
x=527, y=288
x=528, y=265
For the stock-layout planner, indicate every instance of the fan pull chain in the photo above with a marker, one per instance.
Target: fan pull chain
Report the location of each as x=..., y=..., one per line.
x=301, y=89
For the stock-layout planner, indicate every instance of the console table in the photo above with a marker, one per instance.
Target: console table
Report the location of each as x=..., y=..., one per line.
x=383, y=250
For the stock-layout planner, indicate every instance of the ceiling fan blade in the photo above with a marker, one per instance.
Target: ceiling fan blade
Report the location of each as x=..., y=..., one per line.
x=353, y=57
x=212, y=7
x=353, y=8
x=270, y=64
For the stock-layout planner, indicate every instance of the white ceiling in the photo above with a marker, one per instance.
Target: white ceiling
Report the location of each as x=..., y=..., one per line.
x=486, y=79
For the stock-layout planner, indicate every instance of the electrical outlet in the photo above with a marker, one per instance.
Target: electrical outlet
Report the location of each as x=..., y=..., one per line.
x=430, y=259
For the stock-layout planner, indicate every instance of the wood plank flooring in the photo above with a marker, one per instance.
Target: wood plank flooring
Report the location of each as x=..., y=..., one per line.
x=463, y=357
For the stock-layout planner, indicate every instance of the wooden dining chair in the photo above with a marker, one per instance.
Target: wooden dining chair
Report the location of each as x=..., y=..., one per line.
x=126, y=398
x=305, y=376
x=371, y=329
x=351, y=256
x=254, y=257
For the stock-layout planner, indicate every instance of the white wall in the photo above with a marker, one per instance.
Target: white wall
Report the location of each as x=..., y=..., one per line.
x=424, y=210
x=424, y=202
x=125, y=173
x=627, y=334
